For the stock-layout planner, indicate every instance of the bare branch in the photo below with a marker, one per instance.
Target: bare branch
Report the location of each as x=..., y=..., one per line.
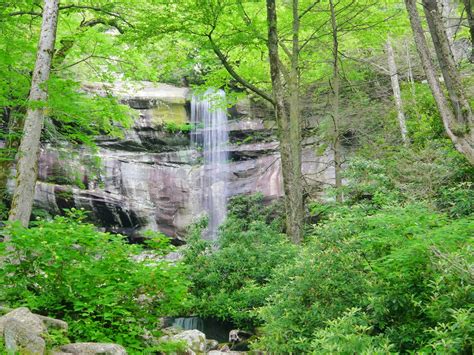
x=309, y=8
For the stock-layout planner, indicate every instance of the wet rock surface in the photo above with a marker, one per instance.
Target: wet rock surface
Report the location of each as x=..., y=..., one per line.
x=152, y=179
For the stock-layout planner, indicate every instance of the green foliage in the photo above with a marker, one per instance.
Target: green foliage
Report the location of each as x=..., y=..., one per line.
x=368, y=181
x=173, y=127
x=404, y=268
x=64, y=268
x=55, y=338
x=78, y=117
x=228, y=282
x=454, y=336
x=169, y=347
x=423, y=120
x=434, y=172
x=348, y=334
x=458, y=200
x=3, y=210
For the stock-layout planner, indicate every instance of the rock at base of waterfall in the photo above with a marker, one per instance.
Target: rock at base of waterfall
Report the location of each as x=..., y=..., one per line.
x=195, y=340
x=211, y=344
x=94, y=348
x=237, y=335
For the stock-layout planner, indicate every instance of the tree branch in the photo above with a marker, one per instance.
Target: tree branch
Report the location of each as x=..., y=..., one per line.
x=98, y=21
x=21, y=13
x=234, y=74
x=309, y=8
x=96, y=9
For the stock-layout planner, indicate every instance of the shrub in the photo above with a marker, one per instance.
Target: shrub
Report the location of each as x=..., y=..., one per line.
x=369, y=182
x=458, y=200
x=228, y=282
x=66, y=269
x=434, y=172
x=328, y=277
x=349, y=334
x=405, y=268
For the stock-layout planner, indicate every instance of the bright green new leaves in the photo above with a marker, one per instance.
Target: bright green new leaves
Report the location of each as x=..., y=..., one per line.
x=64, y=268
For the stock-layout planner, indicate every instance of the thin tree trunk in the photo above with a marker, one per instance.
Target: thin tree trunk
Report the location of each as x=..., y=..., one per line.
x=452, y=79
x=296, y=188
x=397, y=95
x=462, y=143
x=27, y=166
x=411, y=79
x=336, y=92
x=468, y=6
x=289, y=126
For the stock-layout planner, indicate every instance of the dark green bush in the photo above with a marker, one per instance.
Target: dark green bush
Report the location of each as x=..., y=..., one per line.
x=66, y=269
x=228, y=282
x=458, y=200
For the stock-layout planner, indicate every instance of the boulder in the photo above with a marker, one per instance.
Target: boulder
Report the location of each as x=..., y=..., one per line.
x=237, y=335
x=94, y=348
x=23, y=315
x=211, y=344
x=54, y=323
x=195, y=340
x=22, y=337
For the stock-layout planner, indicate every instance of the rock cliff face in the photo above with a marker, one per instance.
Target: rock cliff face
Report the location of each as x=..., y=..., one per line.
x=151, y=179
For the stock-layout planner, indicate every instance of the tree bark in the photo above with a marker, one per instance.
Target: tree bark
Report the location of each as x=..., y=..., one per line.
x=335, y=116
x=397, y=95
x=462, y=142
x=452, y=79
x=468, y=6
x=289, y=125
x=27, y=166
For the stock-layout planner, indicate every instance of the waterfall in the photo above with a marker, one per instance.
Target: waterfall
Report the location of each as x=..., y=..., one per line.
x=188, y=323
x=210, y=131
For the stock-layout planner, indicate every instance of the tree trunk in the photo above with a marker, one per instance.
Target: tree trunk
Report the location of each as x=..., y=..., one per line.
x=452, y=79
x=336, y=88
x=450, y=18
x=411, y=80
x=463, y=143
x=468, y=6
x=289, y=125
x=27, y=166
x=397, y=95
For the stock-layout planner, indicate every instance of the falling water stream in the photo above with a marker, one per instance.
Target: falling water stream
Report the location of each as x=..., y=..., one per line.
x=210, y=131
